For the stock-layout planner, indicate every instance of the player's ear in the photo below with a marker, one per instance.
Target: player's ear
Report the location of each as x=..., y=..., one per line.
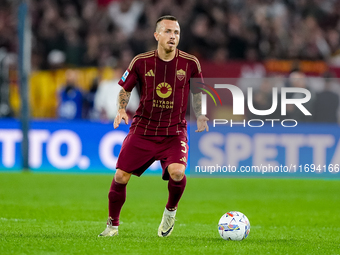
x=155, y=34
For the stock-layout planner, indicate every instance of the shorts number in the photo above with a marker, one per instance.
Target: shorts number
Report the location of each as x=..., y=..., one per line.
x=185, y=147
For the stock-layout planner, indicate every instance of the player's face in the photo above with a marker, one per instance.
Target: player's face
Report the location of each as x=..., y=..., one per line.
x=167, y=35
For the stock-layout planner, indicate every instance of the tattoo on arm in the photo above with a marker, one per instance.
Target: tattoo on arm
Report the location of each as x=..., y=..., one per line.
x=197, y=104
x=123, y=99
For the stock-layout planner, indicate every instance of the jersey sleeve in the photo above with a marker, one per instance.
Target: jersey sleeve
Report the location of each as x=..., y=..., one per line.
x=196, y=73
x=129, y=78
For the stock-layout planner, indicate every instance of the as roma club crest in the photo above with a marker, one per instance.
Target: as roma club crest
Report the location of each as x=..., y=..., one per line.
x=180, y=74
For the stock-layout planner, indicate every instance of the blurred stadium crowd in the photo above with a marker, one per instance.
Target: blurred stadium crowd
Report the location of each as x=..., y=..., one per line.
x=102, y=32
x=108, y=33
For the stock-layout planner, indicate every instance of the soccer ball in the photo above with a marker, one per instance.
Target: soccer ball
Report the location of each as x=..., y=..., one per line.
x=234, y=226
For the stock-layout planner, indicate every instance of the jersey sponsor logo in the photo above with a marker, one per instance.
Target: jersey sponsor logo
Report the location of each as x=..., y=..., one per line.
x=180, y=74
x=150, y=73
x=163, y=90
x=163, y=104
x=125, y=75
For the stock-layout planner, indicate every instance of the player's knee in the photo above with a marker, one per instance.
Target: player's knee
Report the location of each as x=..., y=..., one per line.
x=122, y=177
x=177, y=173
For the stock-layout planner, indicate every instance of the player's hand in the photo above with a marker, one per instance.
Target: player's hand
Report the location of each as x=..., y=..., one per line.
x=202, y=124
x=121, y=114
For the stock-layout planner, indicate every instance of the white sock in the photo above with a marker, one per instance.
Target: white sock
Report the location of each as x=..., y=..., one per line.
x=170, y=213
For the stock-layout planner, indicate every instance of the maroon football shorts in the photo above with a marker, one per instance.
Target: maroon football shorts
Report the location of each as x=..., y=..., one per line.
x=138, y=152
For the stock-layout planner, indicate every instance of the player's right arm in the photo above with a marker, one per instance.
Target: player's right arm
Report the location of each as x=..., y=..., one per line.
x=128, y=82
x=123, y=100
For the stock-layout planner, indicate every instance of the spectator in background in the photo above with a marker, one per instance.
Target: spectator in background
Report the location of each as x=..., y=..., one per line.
x=47, y=28
x=333, y=38
x=298, y=80
x=245, y=30
x=70, y=98
x=92, y=53
x=56, y=59
x=262, y=100
x=327, y=102
x=200, y=42
x=73, y=48
x=237, y=44
x=89, y=112
x=125, y=15
x=7, y=26
x=106, y=104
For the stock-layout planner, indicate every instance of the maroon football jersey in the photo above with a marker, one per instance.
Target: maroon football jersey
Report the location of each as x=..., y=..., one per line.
x=164, y=88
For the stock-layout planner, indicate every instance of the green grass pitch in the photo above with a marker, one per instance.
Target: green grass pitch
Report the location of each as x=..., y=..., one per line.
x=64, y=213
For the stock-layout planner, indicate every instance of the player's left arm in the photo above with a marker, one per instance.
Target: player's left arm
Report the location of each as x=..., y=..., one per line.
x=201, y=119
x=197, y=99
